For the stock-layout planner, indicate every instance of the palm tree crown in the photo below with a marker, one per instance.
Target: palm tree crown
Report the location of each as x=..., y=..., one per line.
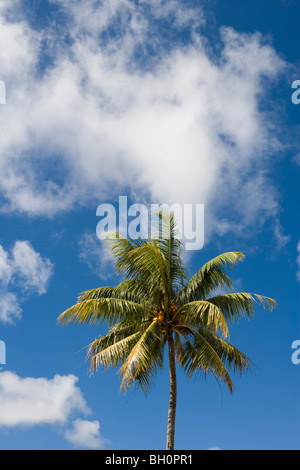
x=157, y=306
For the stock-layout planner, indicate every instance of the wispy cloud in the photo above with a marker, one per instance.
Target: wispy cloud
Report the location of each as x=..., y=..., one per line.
x=96, y=255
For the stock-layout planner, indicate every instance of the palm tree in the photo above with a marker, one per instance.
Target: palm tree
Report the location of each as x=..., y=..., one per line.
x=157, y=306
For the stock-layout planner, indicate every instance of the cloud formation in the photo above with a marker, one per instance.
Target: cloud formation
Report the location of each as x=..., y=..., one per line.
x=116, y=106
x=21, y=268
x=40, y=401
x=86, y=434
x=30, y=401
x=33, y=271
x=10, y=310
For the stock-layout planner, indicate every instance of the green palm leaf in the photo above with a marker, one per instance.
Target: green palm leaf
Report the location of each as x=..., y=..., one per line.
x=104, y=310
x=240, y=305
x=210, y=277
x=141, y=364
x=204, y=313
x=198, y=355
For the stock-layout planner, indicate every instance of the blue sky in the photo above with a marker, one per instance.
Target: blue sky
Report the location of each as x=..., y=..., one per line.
x=163, y=101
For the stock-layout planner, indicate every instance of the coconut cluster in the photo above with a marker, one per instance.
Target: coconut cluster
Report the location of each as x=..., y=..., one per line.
x=160, y=316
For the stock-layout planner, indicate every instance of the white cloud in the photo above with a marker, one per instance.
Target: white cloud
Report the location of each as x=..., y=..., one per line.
x=86, y=434
x=33, y=270
x=30, y=401
x=10, y=310
x=186, y=128
x=35, y=401
x=5, y=267
x=23, y=270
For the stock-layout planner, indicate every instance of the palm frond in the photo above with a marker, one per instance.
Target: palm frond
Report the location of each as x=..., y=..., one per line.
x=170, y=245
x=198, y=355
x=111, y=350
x=206, y=314
x=129, y=289
x=104, y=310
x=234, y=359
x=240, y=304
x=210, y=277
x=144, y=359
x=120, y=248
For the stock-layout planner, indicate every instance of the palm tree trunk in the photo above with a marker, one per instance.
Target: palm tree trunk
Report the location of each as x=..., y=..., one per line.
x=173, y=395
